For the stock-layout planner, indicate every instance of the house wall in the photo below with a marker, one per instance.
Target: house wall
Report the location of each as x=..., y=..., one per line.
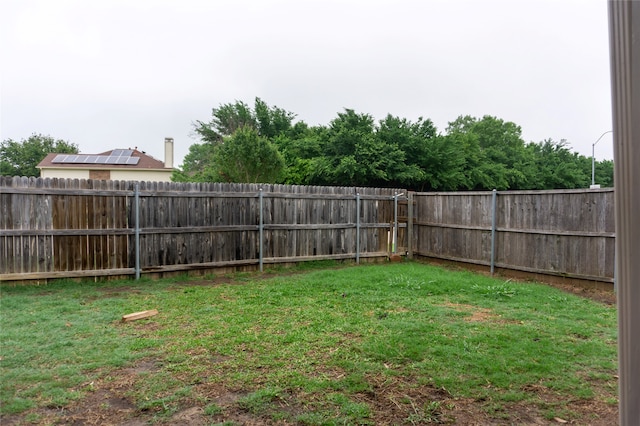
x=65, y=173
x=117, y=174
x=142, y=175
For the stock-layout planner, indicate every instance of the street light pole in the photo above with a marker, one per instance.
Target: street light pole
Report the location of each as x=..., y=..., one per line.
x=593, y=158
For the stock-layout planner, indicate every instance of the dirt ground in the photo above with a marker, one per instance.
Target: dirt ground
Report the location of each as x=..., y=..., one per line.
x=397, y=402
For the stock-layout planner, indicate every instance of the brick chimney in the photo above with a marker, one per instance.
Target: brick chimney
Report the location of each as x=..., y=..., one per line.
x=168, y=153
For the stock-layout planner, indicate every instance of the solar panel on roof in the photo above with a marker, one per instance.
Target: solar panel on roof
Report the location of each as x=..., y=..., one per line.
x=121, y=153
x=118, y=156
x=74, y=159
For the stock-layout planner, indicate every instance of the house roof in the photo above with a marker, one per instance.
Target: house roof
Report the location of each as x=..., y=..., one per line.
x=145, y=162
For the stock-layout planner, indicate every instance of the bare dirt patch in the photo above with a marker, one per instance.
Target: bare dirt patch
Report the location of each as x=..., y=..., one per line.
x=599, y=294
x=396, y=401
x=476, y=313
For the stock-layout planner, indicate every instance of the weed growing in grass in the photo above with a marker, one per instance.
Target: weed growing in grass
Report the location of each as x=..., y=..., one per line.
x=259, y=401
x=495, y=290
x=431, y=413
x=406, y=282
x=212, y=409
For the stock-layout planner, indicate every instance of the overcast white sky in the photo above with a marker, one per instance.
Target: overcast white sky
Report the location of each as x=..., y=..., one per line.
x=108, y=74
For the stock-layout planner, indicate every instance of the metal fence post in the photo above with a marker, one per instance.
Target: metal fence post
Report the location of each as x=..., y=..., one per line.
x=358, y=227
x=261, y=228
x=410, y=226
x=395, y=223
x=493, y=229
x=137, y=229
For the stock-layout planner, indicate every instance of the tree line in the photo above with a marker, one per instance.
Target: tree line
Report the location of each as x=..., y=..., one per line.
x=265, y=144
x=20, y=158
x=262, y=143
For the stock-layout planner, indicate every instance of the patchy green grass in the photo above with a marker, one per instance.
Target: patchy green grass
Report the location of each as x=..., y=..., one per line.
x=318, y=347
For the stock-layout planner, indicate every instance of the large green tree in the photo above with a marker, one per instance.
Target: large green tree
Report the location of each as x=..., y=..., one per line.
x=198, y=165
x=554, y=166
x=494, y=151
x=430, y=162
x=604, y=173
x=353, y=154
x=230, y=132
x=303, y=151
x=245, y=156
x=268, y=121
x=21, y=158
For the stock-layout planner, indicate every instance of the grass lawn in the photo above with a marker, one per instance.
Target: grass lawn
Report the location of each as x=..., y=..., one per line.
x=401, y=343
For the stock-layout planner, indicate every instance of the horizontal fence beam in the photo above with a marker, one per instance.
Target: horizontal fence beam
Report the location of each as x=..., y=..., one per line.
x=69, y=191
x=559, y=232
x=517, y=230
x=66, y=274
x=340, y=256
x=65, y=232
x=515, y=267
x=451, y=226
x=187, y=230
x=178, y=268
x=292, y=227
x=523, y=192
x=179, y=194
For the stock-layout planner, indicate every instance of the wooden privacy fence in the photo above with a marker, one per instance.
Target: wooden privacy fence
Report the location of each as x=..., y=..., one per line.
x=569, y=233
x=53, y=228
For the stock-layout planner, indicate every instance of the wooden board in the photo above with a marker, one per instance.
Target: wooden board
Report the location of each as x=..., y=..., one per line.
x=139, y=315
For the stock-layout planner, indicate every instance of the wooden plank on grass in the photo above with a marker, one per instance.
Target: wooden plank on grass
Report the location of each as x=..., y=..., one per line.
x=139, y=315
